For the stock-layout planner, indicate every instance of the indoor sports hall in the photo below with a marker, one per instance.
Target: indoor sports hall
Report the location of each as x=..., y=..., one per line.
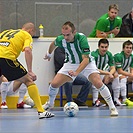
x=48, y=17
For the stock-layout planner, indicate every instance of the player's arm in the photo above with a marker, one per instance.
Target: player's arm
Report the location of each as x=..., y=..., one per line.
x=112, y=70
x=124, y=73
x=28, y=59
x=51, y=47
x=101, y=34
x=102, y=72
x=49, y=52
x=81, y=67
x=110, y=73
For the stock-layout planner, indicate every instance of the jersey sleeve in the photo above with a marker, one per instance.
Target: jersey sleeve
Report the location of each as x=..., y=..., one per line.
x=119, y=22
x=58, y=41
x=84, y=44
x=131, y=62
x=111, y=60
x=101, y=25
x=28, y=41
x=118, y=60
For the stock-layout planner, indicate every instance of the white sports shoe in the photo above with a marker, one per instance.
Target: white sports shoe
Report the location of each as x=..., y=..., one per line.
x=4, y=105
x=29, y=101
x=47, y=106
x=45, y=114
x=23, y=105
x=114, y=112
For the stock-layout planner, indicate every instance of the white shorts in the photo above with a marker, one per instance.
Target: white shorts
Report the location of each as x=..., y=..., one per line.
x=89, y=69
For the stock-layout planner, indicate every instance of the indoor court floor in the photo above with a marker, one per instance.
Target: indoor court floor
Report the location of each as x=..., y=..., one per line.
x=88, y=120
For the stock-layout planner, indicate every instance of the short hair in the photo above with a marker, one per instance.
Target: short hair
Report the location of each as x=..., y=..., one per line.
x=128, y=42
x=103, y=40
x=114, y=6
x=70, y=24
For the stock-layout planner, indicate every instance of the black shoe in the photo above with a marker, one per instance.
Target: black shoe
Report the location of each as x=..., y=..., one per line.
x=79, y=103
x=98, y=104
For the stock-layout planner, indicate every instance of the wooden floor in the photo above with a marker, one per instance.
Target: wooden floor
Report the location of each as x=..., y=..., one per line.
x=88, y=120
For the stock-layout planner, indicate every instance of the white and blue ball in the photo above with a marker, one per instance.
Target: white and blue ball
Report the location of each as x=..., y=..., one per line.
x=71, y=109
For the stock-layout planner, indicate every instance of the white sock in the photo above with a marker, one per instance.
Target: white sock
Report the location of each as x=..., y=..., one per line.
x=105, y=93
x=52, y=94
x=22, y=91
x=116, y=89
x=4, y=90
x=123, y=88
x=95, y=93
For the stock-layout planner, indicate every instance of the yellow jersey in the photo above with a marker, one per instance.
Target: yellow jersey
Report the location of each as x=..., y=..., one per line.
x=12, y=42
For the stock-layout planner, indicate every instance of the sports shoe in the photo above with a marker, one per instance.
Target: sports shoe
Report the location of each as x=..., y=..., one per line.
x=118, y=103
x=23, y=105
x=47, y=106
x=45, y=114
x=128, y=102
x=79, y=103
x=29, y=101
x=3, y=105
x=98, y=104
x=114, y=112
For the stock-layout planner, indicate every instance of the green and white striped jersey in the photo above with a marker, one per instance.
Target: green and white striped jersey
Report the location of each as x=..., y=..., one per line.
x=74, y=50
x=103, y=61
x=122, y=62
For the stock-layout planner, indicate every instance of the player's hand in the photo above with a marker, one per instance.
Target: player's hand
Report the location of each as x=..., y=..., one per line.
x=103, y=34
x=72, y=73
x=47, y=56
x=116, y=30
x=111, y=76
x=122, y=76
x=32, y=76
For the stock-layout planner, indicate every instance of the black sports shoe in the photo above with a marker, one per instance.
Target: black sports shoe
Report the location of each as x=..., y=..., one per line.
x=79, y=103
x=98, y=104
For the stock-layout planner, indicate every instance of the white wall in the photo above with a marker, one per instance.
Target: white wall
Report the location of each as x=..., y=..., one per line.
x=45, y=69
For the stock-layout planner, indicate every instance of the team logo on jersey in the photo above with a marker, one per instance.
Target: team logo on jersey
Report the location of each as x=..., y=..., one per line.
x=4, y=44
x=86, y=50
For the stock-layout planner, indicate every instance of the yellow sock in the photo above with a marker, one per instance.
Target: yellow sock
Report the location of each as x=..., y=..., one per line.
x=34, y=94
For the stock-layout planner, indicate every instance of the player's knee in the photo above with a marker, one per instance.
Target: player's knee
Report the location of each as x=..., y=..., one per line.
x=55, y=85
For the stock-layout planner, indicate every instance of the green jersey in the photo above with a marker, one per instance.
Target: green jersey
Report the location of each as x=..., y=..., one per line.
x=105, y=24
x=103, y=61
x=122, y=62
x=74, y=50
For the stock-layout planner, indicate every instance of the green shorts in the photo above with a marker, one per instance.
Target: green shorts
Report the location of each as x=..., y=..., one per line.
x=11, y=69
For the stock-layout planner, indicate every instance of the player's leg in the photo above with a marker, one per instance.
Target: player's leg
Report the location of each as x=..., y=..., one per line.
x=35, y=96
x=123, y=88
x=22, y=91
x=95, y=94
x=104, y=91
x=58, y=81
x=18, y=73
x=116, y=91
x=3, y=90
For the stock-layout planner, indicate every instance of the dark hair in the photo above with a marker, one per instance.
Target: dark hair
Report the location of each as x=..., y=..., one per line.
x=128, y=42
x=70, y=24
x=105, y=41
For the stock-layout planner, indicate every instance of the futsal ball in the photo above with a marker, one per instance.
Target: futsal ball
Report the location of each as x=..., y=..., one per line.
x=71, y=109
x=29, y=101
